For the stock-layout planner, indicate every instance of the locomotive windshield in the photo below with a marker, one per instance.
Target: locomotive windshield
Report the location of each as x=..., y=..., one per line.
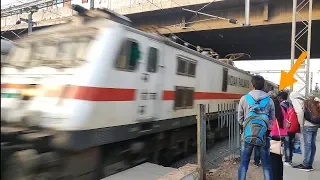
x=58, y=53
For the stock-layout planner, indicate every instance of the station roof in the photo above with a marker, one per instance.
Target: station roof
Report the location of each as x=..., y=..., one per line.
x=260, y=42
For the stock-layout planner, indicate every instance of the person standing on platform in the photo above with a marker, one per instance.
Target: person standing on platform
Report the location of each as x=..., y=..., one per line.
x=292, y=126
x=278, y=133
x=309, y=130
x=255, y=111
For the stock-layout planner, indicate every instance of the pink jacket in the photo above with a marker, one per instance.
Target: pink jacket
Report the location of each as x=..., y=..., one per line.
x=274, y=128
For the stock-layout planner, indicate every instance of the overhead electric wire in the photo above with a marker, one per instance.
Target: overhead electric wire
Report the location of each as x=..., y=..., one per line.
x=214, y=17
x=163, y=9
x=171, y=33
x=202, y=20
x=166, y=27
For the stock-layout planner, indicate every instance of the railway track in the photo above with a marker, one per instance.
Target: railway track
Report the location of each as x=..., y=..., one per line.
x=29, y=149
x=216, y=152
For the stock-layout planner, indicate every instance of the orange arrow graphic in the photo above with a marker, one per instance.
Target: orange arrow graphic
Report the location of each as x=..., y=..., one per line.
x=288, y=79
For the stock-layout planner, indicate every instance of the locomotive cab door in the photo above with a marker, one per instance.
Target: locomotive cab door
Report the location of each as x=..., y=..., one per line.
x=150, y=81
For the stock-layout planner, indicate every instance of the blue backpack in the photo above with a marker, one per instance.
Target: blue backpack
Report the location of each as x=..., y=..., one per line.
x=255, y=125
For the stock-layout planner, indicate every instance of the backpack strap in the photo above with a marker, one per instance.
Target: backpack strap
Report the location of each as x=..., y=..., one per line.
x=284, y=113
x=250, y=100
x=264, y=102
x=306, y=105
x=285, y=105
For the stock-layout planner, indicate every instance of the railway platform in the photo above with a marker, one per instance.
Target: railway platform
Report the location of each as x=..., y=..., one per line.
x=294, y=174
x=149, y=171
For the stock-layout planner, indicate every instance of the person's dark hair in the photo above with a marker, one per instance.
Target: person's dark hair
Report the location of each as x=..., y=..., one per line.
x=283, y=95
x=257, y=82
x=278, y=112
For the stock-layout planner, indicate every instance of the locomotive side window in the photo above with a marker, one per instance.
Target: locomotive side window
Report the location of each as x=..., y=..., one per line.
x=129, y=56
x=189, y=97
x=178, y=100
x=225, y=80
x=152, y=59
x=183, y=97
x=182, y=64
x=186, y=67
x=192, y=69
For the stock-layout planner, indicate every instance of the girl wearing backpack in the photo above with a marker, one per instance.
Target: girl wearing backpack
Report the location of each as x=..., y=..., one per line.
x=292, y=126
x=278, y=133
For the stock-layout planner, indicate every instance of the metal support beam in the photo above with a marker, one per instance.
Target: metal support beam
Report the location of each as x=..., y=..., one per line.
x=247, y=13
x=201, y=140
x=309, y=48
x=301, y=89
x=183, y=21
x=30, y=23
x=294, y=38
x=301, y=78
x=293, y=35
x=266, y=11
x=92, y=4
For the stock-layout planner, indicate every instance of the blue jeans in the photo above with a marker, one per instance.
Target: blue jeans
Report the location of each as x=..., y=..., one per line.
x=309, y=137
x=288, y=147
x=256, y=155
x=246, y=151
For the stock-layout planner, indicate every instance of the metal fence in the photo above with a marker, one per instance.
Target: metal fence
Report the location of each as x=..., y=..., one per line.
x=228, y=119
x=227, y=132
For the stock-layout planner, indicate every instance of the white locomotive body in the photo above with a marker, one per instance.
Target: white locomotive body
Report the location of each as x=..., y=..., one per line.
x=109, y=83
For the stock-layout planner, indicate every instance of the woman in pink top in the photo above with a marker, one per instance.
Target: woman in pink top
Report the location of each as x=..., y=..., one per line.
x=278, y=132
x=282, y=131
